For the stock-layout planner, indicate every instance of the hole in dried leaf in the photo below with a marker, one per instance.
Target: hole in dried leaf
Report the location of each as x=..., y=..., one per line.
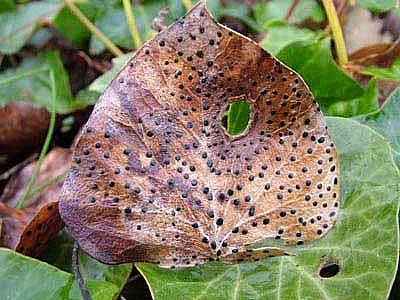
x=236, y=117
x=328, y=270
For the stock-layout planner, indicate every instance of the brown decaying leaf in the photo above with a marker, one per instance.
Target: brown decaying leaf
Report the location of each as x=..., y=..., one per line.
x=22, y=130
x=380, y=55
x=156, y=177
x=28, y=230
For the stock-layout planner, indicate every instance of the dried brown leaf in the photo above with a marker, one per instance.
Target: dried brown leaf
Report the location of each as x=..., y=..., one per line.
x=28, y=230
x=22, y=130
x=157, y=178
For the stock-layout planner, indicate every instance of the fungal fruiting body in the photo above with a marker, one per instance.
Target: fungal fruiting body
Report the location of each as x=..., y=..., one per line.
x=156, y=178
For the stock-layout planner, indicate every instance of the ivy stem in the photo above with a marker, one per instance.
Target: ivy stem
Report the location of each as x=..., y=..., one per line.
x=291, y=9
x=187, y=4
x=21, y=202
x=93, y=29
x=336, y=31
x=130, y=18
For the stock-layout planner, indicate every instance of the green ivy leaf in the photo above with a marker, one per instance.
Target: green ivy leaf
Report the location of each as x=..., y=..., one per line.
x=378, y=5
x=365, y=104
x=18, y=25
x=266, y=11
x=238, y=115
x=364, y=242
x=70, y=27
x=7, y=5
x=30, y=83
x=22, y=278
x=314, y=62
x=26, y=278
x=113, y=24
x=59, y=253
x=103, y=81
x=392, y=73
x=281, y=34
x=386, y=121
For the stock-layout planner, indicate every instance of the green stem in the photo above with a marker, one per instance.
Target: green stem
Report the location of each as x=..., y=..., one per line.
x=47, y=183
x=336, y=31
x=130, y=18
x=93, y=29
x=187, y=4
x=21, y=202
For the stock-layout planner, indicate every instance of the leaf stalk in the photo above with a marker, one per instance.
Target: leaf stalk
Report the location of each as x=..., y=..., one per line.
x=93, y=29
x=337, y=32
x=21, y=202
x=130, y=18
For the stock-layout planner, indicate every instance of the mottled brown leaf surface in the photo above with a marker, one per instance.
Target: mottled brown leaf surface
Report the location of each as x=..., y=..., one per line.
x=28, y=230
x=380, y=55
x=22, y=130
x=156, y=178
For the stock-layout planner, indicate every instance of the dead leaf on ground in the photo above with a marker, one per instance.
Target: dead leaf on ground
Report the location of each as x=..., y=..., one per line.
x=28, y=230
x=157, y=178
x=380, y=55
x=23, y=128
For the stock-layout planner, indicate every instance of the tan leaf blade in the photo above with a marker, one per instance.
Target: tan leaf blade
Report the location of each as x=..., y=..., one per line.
x=157, y=178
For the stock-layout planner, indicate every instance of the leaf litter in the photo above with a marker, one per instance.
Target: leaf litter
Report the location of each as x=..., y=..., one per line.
x=28, y=230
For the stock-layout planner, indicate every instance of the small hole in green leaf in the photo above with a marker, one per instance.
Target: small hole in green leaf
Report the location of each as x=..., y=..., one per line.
x=236, y=117
x=328, y=270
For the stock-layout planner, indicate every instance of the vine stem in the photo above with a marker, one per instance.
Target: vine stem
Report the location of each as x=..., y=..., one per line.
x=93, y=29
x=130, y=18
x=21, y=202
x=75, y=267
x=291, y=9
x=337, y=32
x=187, y=4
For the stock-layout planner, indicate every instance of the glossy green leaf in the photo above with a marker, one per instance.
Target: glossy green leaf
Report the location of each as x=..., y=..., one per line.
x=392, y=73
x=314, y=62
x=103, y=81
x=386, y=121
x=280, y=35
x=7, y=5
x=113, y=24
x=364, y=242
x=22, y=277
x=238, y=116
x=103, y=278
x=18, y=25
x=266, y=11
x=378, y=5
x=71, y=28
x=365, y=104
x=30, y=83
